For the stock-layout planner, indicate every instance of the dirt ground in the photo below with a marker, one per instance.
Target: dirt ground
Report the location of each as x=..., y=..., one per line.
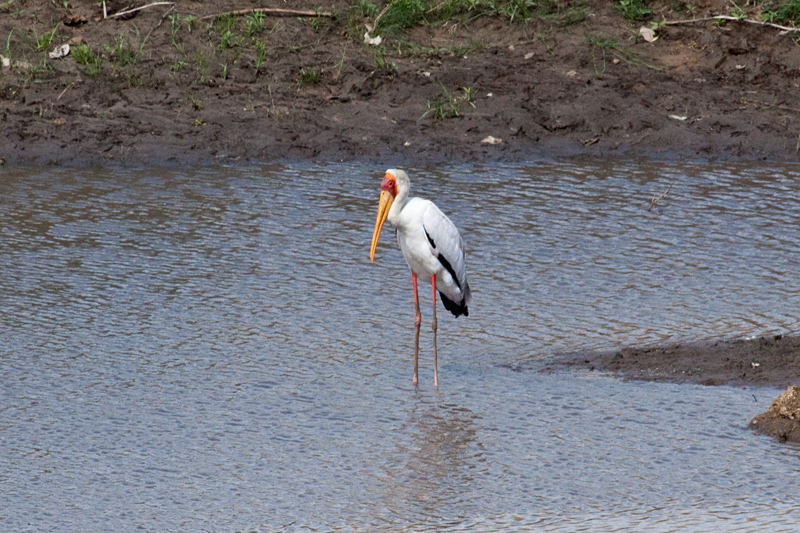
x=579, y=82
x=163, y=86
x=766, y=361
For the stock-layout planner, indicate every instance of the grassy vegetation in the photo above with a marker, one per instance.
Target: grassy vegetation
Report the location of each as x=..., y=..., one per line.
x=634, y=10
x=400, y=15
x=309, y=76
x=448, y=105
x=781, y=12
x=41, y=42
x=83, y=55
x=227, y=44
x=202, y=67
x=383, y=65
x=255, y=24
x=122, y=51
x=603, y=45
x=7, y=51
x=262, y=54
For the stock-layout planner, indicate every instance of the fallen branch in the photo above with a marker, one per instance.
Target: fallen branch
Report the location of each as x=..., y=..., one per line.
x=655, y=200
x=735, y=19
x=135, y=9
x=270, y=11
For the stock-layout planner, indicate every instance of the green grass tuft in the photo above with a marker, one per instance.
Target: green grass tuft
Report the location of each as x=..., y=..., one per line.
x=781, y=12
x=309, y=76
x=255, y=23
x=83, y=55
x=634, y=10
x=448, y=105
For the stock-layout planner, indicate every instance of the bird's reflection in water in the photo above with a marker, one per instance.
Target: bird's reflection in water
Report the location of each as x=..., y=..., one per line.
x=437, y=451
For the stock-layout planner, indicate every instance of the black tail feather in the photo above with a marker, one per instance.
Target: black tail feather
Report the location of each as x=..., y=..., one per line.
x=457, y=309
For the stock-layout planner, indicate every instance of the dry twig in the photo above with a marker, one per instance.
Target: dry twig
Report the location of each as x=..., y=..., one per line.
x=65, y=90
x=735, y=19
x=383, y=12
x=655, y=200
x=135, y=9
x=270, y=11
x=129, y=11
x=163, y=18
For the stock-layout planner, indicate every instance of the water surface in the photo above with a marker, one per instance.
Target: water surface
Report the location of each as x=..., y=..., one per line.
x=211, y=350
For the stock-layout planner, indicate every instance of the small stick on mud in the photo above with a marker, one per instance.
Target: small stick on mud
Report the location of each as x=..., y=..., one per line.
x=65, y=90
x=270, y=11
x=129, y=11
x=735, y=19
x=163, y=18
x=434, y=8
x=655, y=200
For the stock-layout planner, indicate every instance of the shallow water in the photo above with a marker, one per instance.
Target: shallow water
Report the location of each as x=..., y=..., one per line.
x=211, y=350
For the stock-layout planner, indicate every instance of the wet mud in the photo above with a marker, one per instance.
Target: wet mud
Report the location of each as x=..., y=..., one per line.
x=578, y=81
x=765, y=361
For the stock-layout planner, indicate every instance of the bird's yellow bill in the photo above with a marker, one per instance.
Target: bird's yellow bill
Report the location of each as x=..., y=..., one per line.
x=384, y=205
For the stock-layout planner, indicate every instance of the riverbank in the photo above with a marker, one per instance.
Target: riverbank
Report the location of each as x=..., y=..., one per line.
x=173, y=84
x=762, y=362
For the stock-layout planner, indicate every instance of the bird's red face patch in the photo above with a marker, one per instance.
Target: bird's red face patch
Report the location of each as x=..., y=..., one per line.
x=389, y=185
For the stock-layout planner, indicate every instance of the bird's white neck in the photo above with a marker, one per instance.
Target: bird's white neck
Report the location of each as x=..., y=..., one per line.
x=403, y=187
x=397, y=206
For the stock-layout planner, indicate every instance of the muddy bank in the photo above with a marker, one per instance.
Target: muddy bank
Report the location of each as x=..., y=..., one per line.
x=163, y=85
x=766, y=361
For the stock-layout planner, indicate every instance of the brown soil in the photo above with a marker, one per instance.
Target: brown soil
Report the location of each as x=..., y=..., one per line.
x=767, y=361
x=558, y=86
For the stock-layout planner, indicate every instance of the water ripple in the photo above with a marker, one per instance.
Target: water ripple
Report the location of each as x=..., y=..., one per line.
x=212, y=350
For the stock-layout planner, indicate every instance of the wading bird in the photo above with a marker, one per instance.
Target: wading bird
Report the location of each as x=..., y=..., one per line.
x=432, y=248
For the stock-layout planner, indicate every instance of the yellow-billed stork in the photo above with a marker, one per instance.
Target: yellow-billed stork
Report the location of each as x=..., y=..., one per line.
x=432, y=248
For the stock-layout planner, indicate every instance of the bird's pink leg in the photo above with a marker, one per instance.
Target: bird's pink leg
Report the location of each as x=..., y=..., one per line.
x=417, y=323
x=433, y=327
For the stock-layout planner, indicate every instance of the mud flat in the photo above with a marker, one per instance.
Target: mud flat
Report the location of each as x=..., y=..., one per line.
x=765, y=361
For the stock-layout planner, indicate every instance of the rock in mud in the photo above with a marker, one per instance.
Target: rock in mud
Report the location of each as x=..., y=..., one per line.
x=782, y=420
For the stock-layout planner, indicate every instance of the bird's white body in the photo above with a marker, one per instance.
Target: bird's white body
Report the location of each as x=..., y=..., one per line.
x=431, y=244
x=424, y=234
